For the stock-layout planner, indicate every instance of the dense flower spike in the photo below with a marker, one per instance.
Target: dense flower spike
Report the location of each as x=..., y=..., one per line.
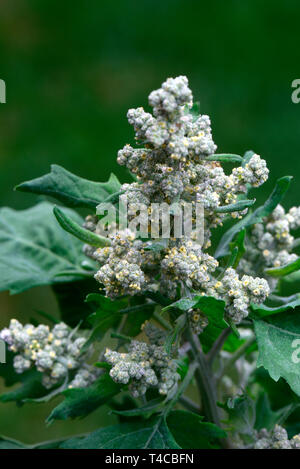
x=174, y=166
x=56, y=353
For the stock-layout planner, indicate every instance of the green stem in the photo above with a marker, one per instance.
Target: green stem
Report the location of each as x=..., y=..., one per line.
x=207, y=386
x=116, y=335
x=162, y=321
x=205, y=381
x=186, y=381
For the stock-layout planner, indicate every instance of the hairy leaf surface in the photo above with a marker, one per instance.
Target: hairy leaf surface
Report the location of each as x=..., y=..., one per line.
x=34, y=249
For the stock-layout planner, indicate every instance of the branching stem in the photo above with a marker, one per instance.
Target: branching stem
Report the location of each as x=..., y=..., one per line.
x=205, y=381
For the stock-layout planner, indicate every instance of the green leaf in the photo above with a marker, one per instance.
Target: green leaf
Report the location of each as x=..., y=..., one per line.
x=104, y=365
x=194, y=110
x=284, y=269
x=237, y=248
x=31, y=388
x=261, y=310
x=69, y=225
x=242, y=415
x=34, y=249
x=278, y=338
x=225, y=158
x=213, y=308
x=149, y=434
x=72, y=190
x=7, y=371
x=233, y=343
x=106, y=316
x=191, y=433
x=266, y=417
x=156, y=246
x=80, y=402
x=238, y=206
x=271, y=203
x=278, y=392
x=146, y=410
x=184, y=304
x=70, y=297
x=9, y=443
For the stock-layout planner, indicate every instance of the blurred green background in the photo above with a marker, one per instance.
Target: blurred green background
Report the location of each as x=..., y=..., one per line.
x=73, y=68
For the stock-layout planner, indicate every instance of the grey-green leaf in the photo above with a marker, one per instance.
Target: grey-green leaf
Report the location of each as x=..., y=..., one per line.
x=266, y=417
x=150, y=434
x=260, y=310
x=70, y=189
x=190, y=432
x=278, y=338
x=80, y=402
x=284, y=269
x=34, y=249
x=242, y=415
x=225, y=158
x=238, y=206
x=72, y=227
x=238, y=249
x=146, y=410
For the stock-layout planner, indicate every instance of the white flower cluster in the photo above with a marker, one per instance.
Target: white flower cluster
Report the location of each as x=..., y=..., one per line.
x=174, y=163
x=126, y=267
x=121, y=273
x=144, y=366
x=271, y=242
x=55, y=353
x=173, y=166
x=276, y=439
x=188, y=264
x=255, y=172
x=239, y=293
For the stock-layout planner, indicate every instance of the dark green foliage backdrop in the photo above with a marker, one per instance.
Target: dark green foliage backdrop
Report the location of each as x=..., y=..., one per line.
x=72, y=70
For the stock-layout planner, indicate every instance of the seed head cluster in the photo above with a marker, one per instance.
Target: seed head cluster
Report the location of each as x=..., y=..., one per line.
x=56, y=353
x=145, y=365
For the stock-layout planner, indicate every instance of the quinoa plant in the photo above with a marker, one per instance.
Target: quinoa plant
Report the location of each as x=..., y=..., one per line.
x=190, y=342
